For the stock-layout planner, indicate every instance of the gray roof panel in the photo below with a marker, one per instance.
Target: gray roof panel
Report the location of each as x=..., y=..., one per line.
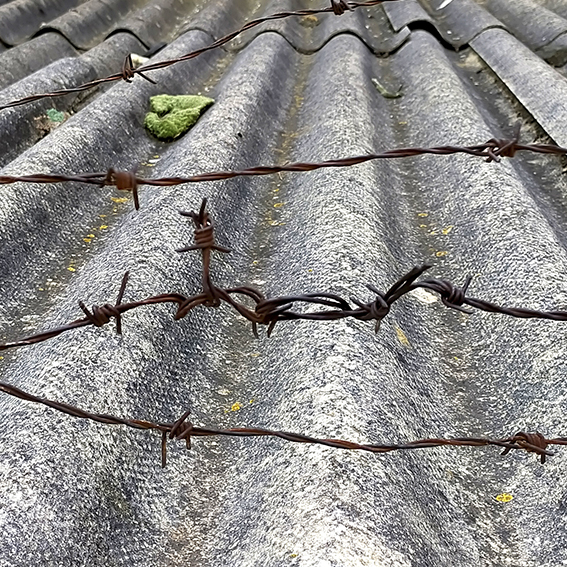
x=20, y=19
x=288, y=93
x=89, y=23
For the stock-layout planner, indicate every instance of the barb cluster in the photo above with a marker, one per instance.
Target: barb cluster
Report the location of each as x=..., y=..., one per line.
x=492, y=150
x=128, y=71
x=183, y=430
x=269, y=311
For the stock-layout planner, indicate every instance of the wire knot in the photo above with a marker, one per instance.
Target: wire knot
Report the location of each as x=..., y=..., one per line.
x=124, y=181
x=204, y=231
x=101, y=314
x=129, y=71
x=453, y=296
x=339, y=7
x=377, y=309
x=530, y=442
x=181, y=429
x=496, y=148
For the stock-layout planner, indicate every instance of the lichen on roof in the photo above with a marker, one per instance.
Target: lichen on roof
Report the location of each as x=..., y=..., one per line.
x=172, y=116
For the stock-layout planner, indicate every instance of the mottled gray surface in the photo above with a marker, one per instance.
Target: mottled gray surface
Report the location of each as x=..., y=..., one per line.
x=461, y=19
x=458, y=22
x=534, y=25
x=87, y=24
x=20, y=19
x=31, y=56
x=79, y=493
x=526, y=75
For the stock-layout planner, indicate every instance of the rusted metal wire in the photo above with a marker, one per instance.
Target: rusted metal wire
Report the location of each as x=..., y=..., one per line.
x=184, y=430
x=269, y=311
x=128, y=71
x=492, y=150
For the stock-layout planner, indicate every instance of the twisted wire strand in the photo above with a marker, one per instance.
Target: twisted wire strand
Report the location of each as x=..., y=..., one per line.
x=184, y=430
x=128, y=72
x=492, y=150
x=270, y=311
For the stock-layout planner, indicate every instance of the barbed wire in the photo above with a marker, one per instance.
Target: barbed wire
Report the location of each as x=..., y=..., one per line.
x=184, y=430
x=128, y=72
x=492, y=150
x=269, y=311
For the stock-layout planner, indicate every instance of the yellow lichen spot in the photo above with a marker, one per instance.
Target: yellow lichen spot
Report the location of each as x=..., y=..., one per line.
x=309, y=21
x=278, y=205
x=441, y=253
x=102, y=216
x=434, y=233
x=422, y=214
x=119, y=199
x=71, y=269
x=310, y=269
x=235, y=406
x=276, y=190
x=103, y=227
x=90, y=235
x=402, y=337
x=40, y=289
x=274, y=223
x=422, y=226
x=87, y=240
x=255, y=262
x=252, y=400
x=448, y=229
x=504, y=497
x=254, y=354
x=293, y=555
x=403, y=123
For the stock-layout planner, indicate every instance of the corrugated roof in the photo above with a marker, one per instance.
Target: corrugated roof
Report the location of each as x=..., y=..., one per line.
x=79, y=493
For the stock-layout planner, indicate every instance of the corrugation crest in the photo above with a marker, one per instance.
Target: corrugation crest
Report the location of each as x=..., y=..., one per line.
x=300, y=90
x=160, y=20
x=86, y=25
x=457, y=22
x=308, y=34
x=20, y=19
x=23, y=60
x=533, y=24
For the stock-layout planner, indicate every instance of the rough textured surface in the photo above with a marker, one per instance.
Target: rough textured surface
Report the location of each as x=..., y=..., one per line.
x=79, y=493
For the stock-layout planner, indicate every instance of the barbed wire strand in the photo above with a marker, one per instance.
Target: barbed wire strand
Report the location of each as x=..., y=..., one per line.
x=185, y=430
x=269, y=311
x=492, y=150
x=128, y=71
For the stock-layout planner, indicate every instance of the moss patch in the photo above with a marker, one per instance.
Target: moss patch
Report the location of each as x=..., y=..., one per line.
x=171, y=116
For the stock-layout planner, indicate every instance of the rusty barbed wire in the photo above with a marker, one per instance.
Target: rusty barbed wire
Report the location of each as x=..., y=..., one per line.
x=492, y=150
x=270, y=311
x=128, y=72
x=184, y=430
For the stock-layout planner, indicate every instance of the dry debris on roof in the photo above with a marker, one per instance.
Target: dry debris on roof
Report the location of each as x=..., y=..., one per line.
x=346, y=145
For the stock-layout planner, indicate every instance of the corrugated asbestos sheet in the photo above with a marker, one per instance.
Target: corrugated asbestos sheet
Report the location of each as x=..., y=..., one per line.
x=74, y=492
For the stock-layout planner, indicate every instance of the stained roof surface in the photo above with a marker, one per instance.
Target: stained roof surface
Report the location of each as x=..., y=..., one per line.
x=74, y=492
